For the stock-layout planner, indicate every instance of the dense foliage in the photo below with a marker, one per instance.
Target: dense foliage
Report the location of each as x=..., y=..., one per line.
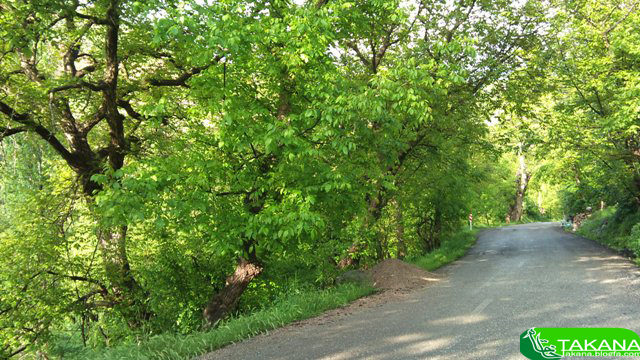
x=592, y=119
x=167, y=164
x=596, y=111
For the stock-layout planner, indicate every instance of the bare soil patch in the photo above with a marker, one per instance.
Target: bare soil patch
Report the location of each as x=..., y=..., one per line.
x=394, y=279
x=394, y=274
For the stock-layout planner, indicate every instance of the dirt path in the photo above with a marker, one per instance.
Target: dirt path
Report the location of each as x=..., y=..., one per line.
x=514, y=278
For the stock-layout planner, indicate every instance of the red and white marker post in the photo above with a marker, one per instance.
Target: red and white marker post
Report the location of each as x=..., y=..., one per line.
x=470, y=221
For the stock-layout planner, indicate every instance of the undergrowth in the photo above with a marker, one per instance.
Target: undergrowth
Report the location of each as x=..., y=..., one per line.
x=453, y=247
x=615, y=228
x=298, y=306
x=302, y=305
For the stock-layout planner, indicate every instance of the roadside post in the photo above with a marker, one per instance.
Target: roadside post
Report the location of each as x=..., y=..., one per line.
x=470, y=221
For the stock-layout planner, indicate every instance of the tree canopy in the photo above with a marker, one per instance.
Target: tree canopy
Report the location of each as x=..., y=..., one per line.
x=165, y=164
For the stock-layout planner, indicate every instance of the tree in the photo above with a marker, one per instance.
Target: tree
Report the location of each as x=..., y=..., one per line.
x=594, y=126
x=213, y=152
x=83, y=79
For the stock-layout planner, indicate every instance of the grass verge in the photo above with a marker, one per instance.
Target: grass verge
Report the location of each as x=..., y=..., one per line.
x=615, y=229
x=453, y=247
x=602, y=228
x=300, y=306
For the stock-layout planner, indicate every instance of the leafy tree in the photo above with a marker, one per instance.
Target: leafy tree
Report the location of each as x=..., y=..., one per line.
x=169, y=163
x=86, y=81
x=594, y=124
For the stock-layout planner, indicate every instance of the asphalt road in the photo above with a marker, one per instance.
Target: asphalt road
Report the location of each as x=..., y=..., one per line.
x=516, y=277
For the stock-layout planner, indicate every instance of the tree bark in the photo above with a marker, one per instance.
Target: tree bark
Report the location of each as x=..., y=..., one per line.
x=374, y=211
x=250, y=267
x=376, y=205
x=402, y=246
x=247, y=268
x=226, y=300
x=437, y=228
x=126, y=294
x=115, y=120
x=522, y=181
x=429, y=229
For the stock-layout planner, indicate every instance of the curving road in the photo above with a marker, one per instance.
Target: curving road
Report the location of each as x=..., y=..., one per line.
x=515, y=278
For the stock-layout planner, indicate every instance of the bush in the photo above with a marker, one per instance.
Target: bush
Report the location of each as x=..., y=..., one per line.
x=615, y=227
x=633, y=240
x=300, y=305
x=453, y=247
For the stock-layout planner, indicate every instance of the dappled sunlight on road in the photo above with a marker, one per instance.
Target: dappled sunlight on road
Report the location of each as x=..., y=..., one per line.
x=459, y=320
x=440, y=343
x=405, y=338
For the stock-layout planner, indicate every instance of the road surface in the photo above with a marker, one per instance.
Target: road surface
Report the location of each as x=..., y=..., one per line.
x=514, y=278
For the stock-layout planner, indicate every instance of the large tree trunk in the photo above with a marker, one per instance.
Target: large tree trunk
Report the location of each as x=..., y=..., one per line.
x=522, y=181
x=226, y=300
x=113, y=241
x=437, y=228
x=432, y=237
x=402, y=246
x=374, y=212
x=429, y=229
x=127, y=295
x=114, y=255
x=376, y=204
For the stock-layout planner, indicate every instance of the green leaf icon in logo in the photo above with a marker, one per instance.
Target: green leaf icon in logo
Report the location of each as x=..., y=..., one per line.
x=534, y=348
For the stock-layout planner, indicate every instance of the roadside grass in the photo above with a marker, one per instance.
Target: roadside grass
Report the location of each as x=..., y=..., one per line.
x=620, y=232
x=299, y=306
x=603, y=228
x=453, y=247
x=595, y=222
x=303, y=305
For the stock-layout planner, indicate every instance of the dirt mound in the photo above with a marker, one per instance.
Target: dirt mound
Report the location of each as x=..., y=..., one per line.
x=394, y=274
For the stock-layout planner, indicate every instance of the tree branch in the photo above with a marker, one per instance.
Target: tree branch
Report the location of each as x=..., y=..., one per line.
x=460, y=21
x=631, y=11
x=386, y=44
x=6, y=132
x=92, y=18
x=85, y=70
x=126, y=105
x=25, y=119
x=99, y=116
x=182, y=79
x=353, y=46
x=80, y=85
x=81, y=278
x=321, y=3
x=227, y=193
x=12, y=114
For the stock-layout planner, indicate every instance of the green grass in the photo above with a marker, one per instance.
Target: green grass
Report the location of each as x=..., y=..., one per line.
x=302, y=305
x=615, y=229
x=453, y=247
x=296, y=307
x=601, y=228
